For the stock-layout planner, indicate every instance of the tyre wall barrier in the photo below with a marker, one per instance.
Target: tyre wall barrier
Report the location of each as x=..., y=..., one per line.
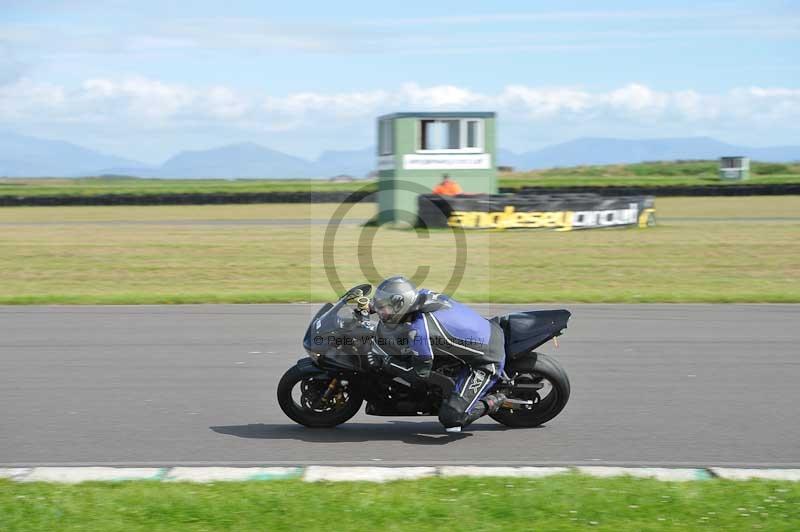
x=681, y=190
x=185, y=199
x=355, y=196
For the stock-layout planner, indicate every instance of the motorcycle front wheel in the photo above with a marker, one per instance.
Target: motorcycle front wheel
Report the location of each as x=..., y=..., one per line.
x=540, y=379
x=318, y=401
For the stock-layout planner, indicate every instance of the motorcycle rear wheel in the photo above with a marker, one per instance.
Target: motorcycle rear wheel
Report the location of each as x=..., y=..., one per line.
x=303, y=412
x=541, y=369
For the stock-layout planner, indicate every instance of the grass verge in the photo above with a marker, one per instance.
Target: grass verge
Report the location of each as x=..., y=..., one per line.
x=704, y=250
x=566, y=502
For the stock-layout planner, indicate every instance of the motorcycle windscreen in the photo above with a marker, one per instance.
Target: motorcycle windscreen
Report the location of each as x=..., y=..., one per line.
x=314, y=329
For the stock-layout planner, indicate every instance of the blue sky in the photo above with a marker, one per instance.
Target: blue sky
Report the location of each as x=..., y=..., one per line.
x=146, y=79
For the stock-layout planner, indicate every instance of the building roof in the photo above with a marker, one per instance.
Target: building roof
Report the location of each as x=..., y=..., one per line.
x=442, y=114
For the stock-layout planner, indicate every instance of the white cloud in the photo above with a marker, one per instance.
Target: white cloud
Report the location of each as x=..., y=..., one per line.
x=304, y=104
x=154, y=99
x=137, y=100
x=22, y=100
x=437, y=96
x=147, y=104
x=541, y=103
x=638, y=99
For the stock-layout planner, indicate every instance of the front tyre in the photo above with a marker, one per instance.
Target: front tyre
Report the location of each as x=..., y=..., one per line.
x=316, y=400
x=540, y=379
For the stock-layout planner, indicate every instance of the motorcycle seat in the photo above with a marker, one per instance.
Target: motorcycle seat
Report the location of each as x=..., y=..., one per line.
x=525, y=331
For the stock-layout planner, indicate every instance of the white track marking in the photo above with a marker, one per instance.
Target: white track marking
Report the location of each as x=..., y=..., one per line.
x=314, y=473
x=730, y=473
x=369, y=474
x=474, y=471
x=14, y=473
x=216, y=474
x=85, y=474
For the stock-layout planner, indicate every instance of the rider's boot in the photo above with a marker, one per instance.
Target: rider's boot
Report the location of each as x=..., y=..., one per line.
x=488, y=405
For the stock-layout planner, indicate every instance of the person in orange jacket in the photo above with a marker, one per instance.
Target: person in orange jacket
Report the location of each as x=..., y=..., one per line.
x=447, y=187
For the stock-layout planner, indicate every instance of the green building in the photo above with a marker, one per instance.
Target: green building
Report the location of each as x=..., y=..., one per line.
x=415, y=150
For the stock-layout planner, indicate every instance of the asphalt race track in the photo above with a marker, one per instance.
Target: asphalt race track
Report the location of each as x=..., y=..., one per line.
x=158, y=385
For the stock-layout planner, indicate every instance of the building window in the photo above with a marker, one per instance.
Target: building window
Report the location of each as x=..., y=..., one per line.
x=473, y=132
x=439, y=134
x=385, y=137
x=450, y=135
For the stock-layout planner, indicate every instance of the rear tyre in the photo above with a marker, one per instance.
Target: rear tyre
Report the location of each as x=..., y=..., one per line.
x=308, y=409
x=535, y=368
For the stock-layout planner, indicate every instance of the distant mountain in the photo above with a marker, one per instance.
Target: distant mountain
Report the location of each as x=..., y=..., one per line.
x=616, y=151
x=249, y=160
x=245, y=160
x=22, y=156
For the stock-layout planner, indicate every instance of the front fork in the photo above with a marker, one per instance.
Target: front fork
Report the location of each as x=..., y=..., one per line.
x=329, y=391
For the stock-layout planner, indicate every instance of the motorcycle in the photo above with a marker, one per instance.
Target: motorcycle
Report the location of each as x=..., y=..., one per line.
x=329, y=386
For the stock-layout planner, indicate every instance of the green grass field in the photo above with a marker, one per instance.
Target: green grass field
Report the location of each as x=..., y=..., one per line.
x=567, y=502
x=703, y=250
x=648, y=174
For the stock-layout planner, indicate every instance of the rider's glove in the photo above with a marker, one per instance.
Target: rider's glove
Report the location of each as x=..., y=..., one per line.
x=376, y=360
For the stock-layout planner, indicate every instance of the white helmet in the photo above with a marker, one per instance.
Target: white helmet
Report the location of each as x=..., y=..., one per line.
x=394, y=298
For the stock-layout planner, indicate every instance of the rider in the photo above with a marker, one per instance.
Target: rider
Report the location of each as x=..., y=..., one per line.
x=424, y=324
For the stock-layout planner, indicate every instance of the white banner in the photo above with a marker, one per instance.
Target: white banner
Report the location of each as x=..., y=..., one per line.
x=447, y=161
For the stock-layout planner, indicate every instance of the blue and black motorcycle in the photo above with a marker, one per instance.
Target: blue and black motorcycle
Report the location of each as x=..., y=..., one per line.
x=329, y=386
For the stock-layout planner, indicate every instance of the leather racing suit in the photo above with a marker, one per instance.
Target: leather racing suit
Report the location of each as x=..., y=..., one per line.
x=441, y=326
